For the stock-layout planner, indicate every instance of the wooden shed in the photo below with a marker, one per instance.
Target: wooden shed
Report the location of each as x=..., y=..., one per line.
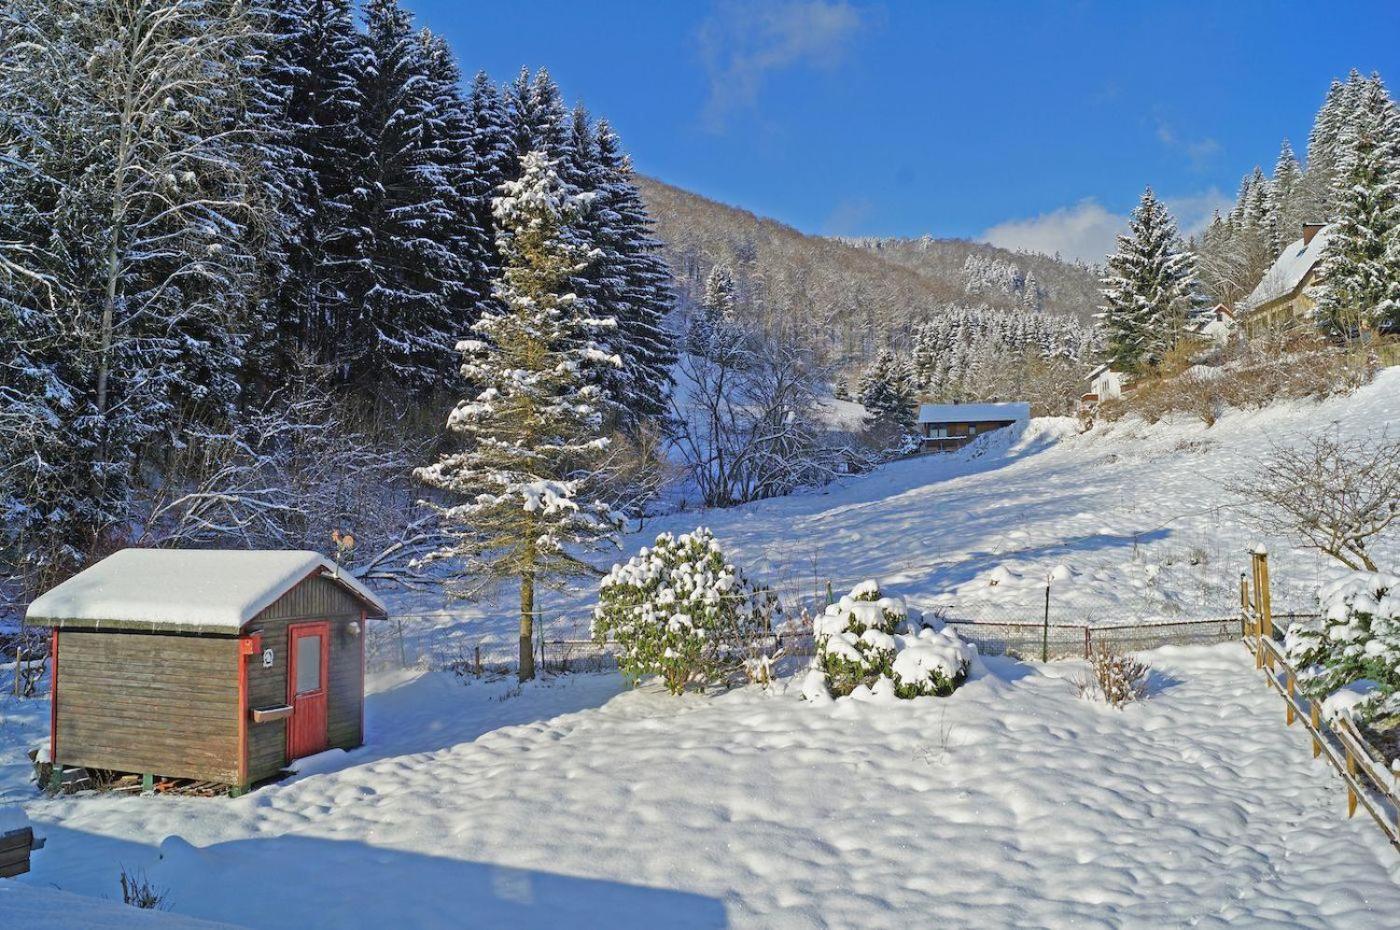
x=216, y=666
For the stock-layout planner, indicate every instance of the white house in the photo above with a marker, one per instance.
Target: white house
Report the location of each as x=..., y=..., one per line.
x=1105, y=384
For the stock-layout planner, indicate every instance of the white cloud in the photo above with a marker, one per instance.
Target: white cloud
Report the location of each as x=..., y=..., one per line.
x=1085, y=230
x=1088, y=231
x=1198, y=151
x=742, y=43
x=1193, y=212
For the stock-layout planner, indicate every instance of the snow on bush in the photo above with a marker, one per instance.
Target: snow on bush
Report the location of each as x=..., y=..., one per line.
x=1356, y=639
x=869, y=641
x=680, y=611
x=1115, y=678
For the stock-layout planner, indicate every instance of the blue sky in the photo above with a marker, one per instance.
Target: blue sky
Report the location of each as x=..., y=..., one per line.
x=1030, y=124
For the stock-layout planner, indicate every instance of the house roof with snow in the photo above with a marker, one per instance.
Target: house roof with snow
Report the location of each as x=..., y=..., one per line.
x=1289, y=270
x=185, y=590
x=973, y=413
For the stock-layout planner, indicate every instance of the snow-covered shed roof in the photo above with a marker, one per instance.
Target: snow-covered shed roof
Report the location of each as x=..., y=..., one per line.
x=1289, y=269
x=973, y=413
x=184, y=590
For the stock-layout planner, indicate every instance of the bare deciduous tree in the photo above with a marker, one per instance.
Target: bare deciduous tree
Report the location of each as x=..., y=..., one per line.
x=1334, y=495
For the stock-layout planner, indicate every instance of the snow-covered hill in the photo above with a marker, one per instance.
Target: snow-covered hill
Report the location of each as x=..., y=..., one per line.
x=1134, y=522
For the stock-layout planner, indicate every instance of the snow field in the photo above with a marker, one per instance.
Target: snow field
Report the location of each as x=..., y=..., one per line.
x=573, y=803
x=1129, y=521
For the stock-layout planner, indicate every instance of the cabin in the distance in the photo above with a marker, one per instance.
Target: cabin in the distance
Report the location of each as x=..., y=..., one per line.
x=208, y=665
x=945, y=427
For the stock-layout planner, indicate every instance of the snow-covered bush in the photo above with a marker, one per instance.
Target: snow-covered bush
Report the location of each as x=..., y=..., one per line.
x=1115, y=678
x=681, y=611
x=1357, y=637
x=868, y=640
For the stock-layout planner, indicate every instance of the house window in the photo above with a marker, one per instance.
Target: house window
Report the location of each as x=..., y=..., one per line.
x=937, y=431
x=972, y=429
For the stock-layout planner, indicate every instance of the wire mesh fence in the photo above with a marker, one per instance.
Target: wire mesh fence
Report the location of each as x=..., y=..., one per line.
x=444, y=642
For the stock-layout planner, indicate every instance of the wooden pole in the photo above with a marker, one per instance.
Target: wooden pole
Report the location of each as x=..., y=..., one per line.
x=1045, y=631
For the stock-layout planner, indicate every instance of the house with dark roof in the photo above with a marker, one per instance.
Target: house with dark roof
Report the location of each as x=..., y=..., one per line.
x=947, y=427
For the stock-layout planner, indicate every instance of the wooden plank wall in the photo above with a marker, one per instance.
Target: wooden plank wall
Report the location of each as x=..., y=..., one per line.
x=313, y=599
x=153, y=703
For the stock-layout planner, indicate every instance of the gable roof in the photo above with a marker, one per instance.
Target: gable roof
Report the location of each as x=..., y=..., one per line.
x=1288, y=270
x=972, y=413
x=184, y=590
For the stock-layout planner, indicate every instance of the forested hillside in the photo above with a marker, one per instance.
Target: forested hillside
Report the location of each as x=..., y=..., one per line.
x=856, y=296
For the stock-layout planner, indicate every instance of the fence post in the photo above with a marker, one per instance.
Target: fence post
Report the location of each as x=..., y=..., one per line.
x=1045, y=630
x=1266, y=604
x=478, y=660
x=1088, y=644
x=1244, y=606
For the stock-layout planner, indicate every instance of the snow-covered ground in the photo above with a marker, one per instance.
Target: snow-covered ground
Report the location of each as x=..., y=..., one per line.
x=574, y=803
x=1134, y=522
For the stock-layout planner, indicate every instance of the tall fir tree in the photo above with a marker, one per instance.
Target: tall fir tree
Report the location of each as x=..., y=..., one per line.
x=1360, y=270
x=645, y=299
x=494, y=160
x=888, y=394
x=1285, y=207
x=538, y=119
x=409, y=279
x=1150, y=290
x=323, y=65
x=531, y=429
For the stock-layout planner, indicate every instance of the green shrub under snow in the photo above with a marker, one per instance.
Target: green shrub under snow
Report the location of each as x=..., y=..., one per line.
x=1357, y=639
x=867, y=642
x=679, y=610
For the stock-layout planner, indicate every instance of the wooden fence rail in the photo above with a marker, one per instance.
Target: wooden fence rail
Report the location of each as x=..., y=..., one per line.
x=1368, y=782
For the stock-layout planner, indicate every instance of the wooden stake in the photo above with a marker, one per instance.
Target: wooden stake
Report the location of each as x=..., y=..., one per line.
x=1290, y=698
x=1315, y=717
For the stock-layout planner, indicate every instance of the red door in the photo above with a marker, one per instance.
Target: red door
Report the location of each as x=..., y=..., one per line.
x=308, y=648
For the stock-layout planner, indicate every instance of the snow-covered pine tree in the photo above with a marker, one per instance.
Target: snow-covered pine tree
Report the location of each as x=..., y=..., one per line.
x=530, y=430
x=716, y=313
x=1286, y=210
x=1319, y=190
x=493, y=161
x=1360, y=270
x=409, y=279
x=1149, y=291
x=322, y=63
x=452, y=135
x=537, y=118
x=148, y=192
x=643, y=341
x=888, y=395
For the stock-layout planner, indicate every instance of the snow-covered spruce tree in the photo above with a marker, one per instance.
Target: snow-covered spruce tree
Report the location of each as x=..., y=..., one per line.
x=123, y=131
x=716, y=312
x=1361, y=263
x=536, y=117
x=493, y=161
x=644, y=297
x=1286, y=211
x=1357, y=638
x=321, y=62
x=1149, y=291
x=409, y=282
x=869, y=643
x=888, y=395
x=530, y=429
x=681, y=611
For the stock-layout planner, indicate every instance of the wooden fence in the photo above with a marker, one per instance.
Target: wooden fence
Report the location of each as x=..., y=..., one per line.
x=1368, y=782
